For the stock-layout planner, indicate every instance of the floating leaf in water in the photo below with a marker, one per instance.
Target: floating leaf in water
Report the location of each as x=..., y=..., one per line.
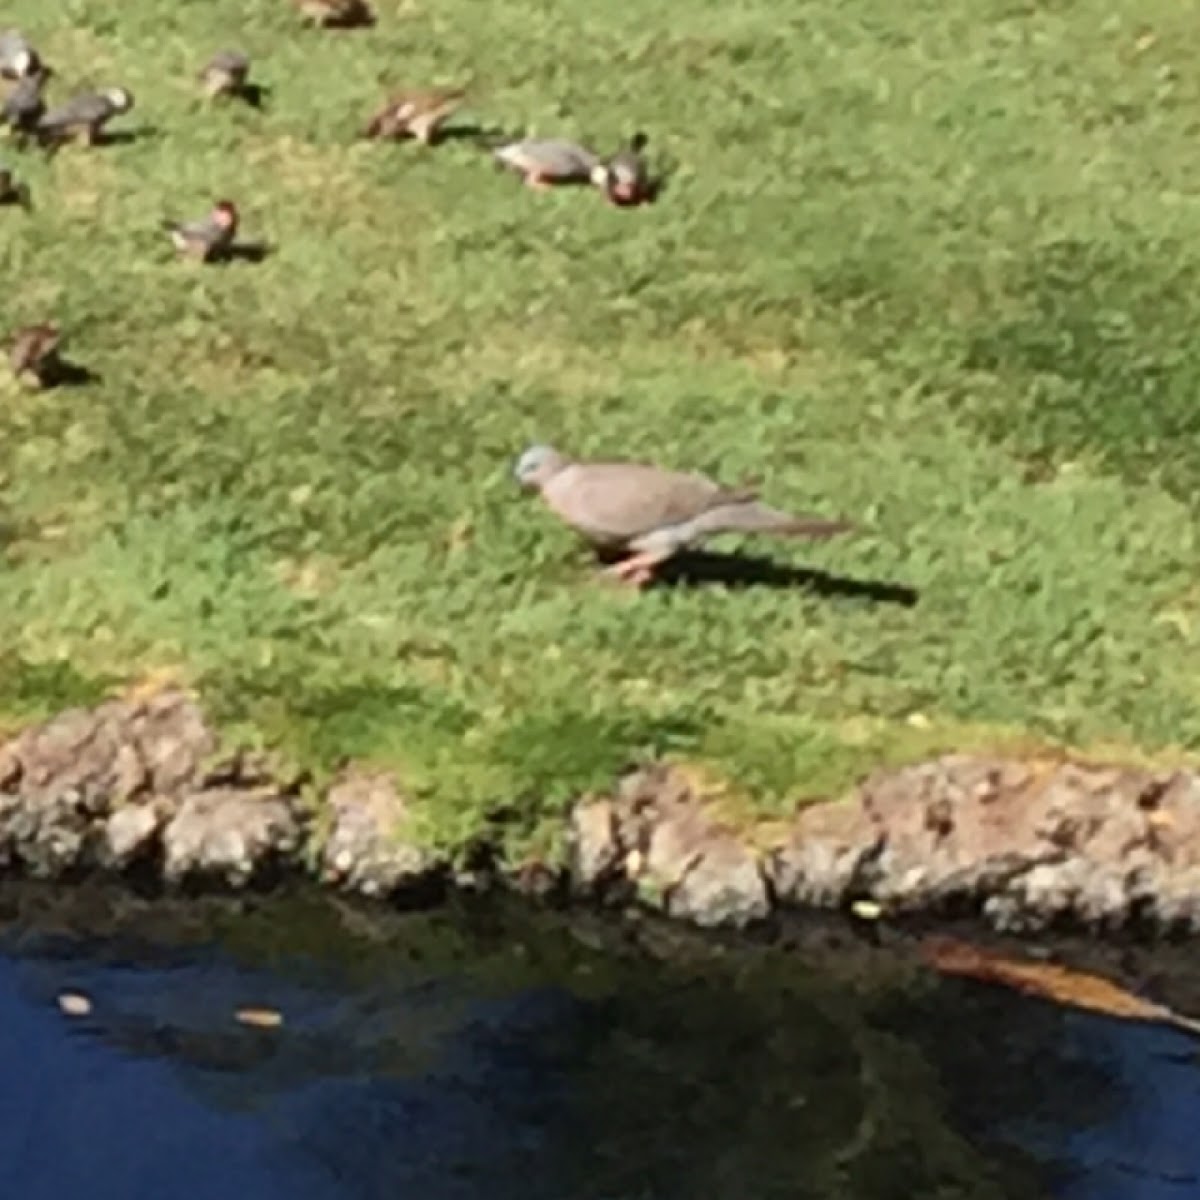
x=74, y=1004
x=1049, y=981
x=260, y=1018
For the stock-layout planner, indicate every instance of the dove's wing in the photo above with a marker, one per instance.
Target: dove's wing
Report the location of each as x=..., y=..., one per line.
x=80, y=110
x=620, y=502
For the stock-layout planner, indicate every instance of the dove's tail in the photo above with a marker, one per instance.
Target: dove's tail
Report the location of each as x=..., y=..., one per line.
x=750, y=516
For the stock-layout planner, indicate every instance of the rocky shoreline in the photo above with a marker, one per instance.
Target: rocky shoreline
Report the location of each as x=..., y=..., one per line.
x=145, y=785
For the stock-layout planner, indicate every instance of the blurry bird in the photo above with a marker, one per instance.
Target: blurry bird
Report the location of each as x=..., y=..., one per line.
x=417, y=113
x=17, y=57
x=24, y=106
x=84, y=116
x=225, y=74
x=12, y=191
x=336, y=14
x=33, y=354
x=649, y=513
x=628, y=178
x=208, y=238
x=545, y=162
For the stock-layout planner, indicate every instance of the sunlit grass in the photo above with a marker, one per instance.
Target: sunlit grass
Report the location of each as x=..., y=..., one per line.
x=928, y=266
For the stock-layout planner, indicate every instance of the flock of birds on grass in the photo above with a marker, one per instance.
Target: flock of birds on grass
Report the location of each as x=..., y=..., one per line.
x=639, y=514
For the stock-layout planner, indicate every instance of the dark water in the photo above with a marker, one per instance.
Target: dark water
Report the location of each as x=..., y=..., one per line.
x=476, y=1054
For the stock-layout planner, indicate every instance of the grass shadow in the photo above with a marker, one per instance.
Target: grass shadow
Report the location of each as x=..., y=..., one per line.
x=708, y=568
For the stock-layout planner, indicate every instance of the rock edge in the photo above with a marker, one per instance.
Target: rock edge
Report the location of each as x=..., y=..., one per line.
x=146, y=784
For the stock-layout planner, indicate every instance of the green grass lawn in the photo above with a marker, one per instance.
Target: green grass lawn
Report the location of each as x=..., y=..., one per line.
x=933, y=267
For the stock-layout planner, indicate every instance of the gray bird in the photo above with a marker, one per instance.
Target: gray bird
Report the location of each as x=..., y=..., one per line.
x=649, y=513
x=545, y=162
x=84, y=116
x=628, y=178
x=17, y=57
x=207, y=238
x=225, y=74
x=24, y=106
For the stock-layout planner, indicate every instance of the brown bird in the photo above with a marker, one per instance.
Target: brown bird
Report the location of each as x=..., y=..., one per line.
x=336, y=14
x=416, y=113
x=225, y=74
x=33, y=355
x=208, y=238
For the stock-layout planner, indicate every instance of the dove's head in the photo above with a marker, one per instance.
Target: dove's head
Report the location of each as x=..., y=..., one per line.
x=537, y=465
x=225, y=214
x=120, y=98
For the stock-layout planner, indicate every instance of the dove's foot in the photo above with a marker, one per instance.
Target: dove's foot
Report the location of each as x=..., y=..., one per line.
x=538, y=182
x=636, y=571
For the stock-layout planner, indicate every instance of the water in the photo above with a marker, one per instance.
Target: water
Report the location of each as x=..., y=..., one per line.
x=476, y=1053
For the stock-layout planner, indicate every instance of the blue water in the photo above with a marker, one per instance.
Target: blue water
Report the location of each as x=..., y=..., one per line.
x=439, y=1057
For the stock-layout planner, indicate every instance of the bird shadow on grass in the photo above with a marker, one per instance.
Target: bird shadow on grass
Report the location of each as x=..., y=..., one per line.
x=127, y=137
x=248, y=252
x=65, y=373
x=707, y=568
x=53, y=146
x=356, y=20
x=469, y=131
x=256, y=95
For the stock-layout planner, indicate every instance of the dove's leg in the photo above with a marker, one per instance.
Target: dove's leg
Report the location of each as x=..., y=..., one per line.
x=638, y=569
x=539, y=183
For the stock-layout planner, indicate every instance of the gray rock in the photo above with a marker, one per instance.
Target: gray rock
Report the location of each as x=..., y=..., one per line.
x=724, y=886
x=129, y=833
x=60, y=781
x=692, y=867
x=595, y=844
x=367, y=849
x=825, y=855
x=230, y=835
